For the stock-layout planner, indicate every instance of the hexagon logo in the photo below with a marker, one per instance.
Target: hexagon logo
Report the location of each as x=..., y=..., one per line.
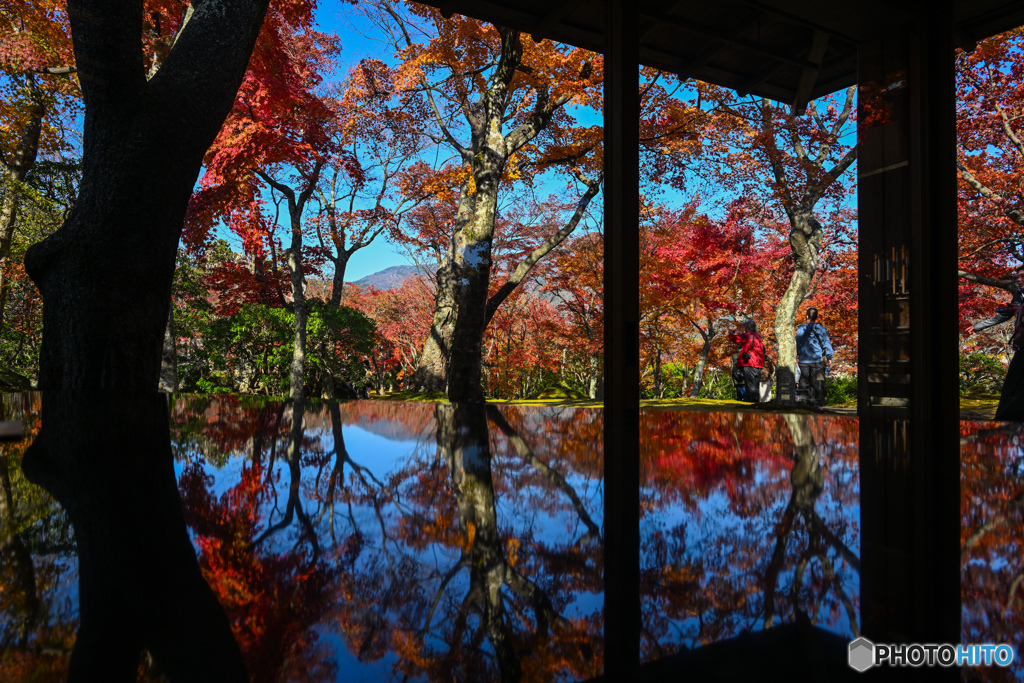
x=862, y=654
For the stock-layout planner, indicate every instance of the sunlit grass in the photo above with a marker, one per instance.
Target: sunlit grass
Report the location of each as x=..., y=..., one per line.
x=976, y=407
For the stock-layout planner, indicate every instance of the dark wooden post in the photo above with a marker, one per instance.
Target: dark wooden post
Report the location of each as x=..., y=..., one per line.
x=910, y=467
x=621, y=341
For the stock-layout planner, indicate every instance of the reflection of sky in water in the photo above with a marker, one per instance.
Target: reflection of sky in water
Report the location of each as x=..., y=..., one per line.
x=728, y=528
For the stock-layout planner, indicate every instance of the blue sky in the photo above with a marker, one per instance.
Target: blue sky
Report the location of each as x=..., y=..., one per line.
x=357, y=43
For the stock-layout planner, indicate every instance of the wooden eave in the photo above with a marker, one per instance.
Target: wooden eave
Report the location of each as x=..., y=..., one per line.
x=786, y=50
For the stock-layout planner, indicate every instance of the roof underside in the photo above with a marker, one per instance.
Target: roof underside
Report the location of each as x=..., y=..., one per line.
x=787, y=50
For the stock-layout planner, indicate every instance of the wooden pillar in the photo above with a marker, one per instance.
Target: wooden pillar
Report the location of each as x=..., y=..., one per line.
x=621, y=341
x=910, y=468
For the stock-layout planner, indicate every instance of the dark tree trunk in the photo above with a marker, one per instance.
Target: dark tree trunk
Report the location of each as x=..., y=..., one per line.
x=338, y=285
x=140, y=586
x=105, y=275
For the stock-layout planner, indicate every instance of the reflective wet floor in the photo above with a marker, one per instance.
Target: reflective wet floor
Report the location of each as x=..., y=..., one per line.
x=224, y=538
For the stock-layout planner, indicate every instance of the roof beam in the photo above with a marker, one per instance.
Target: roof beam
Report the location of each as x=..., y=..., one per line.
x=796, y=19
x=808, y=77
x=688, y=65
x=743, y=89
x=448, y=8
x=562, y=8
x=727, y=37
x=647, y=27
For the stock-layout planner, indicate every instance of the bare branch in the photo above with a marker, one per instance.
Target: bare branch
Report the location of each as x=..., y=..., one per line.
x=543, y=250
x=1008, y=285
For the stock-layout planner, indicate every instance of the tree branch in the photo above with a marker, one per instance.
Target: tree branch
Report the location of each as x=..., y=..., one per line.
x=991, y=282
x=543, y=250
x=1013, y=214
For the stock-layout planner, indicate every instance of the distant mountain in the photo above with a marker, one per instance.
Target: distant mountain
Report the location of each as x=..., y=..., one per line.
x=389, y=277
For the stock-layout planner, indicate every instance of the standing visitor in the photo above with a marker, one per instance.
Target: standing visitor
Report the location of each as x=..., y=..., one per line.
x=739, y=381
x=751, y=357
x=767, y=380
x=1011, y=399
x=814, y=353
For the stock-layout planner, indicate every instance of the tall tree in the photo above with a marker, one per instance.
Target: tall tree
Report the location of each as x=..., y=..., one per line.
x=700, y=275
x=494, y=82
x=990, y=163
x=575, y=279
x=278, y=135
x=796, y=162
x=381, y=140
x=105, y=275
x=37, y=87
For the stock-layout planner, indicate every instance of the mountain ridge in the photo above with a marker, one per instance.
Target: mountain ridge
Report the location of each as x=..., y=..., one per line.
x=389, y=278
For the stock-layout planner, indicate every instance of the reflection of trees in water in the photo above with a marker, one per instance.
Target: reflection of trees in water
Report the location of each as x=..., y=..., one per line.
x=821, y=544
x=425, y=561
x=37, y=627
x=456, y=593
x=992, y=538
x=271, y=578
x=748, y=548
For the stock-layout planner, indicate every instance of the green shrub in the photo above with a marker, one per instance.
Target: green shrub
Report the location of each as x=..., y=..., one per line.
x=980, y=373
x=840, y=389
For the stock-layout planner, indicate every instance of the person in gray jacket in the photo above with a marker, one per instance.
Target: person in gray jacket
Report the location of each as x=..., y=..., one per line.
x=814, y=353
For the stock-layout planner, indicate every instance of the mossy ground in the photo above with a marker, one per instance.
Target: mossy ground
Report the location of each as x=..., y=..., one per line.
x=974, y=407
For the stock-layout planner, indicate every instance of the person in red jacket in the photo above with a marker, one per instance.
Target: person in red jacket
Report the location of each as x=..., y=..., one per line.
x=751, y=358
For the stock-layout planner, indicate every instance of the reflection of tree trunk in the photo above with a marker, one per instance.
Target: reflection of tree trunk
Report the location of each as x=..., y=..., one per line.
x=553, y=477
x=139, y=581
x=807, y=479
x=294, y=458
x=337, y=478
x=14, y=550
x=462, y=439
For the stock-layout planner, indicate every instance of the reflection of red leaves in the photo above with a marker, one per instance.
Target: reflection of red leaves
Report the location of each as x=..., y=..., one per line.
x=272, y=601
x=992, y=535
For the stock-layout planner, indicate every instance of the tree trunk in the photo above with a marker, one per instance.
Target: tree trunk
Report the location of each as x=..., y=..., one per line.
x=169, y=364
x=138, y=571
x=338, y=284
x=594, y=380
x=702, y=362
x=432, y=369
x=8, y=215
x=805, y=239
x=658, y=388
x=297, y=371
x=24, y=158
x=105, y=275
